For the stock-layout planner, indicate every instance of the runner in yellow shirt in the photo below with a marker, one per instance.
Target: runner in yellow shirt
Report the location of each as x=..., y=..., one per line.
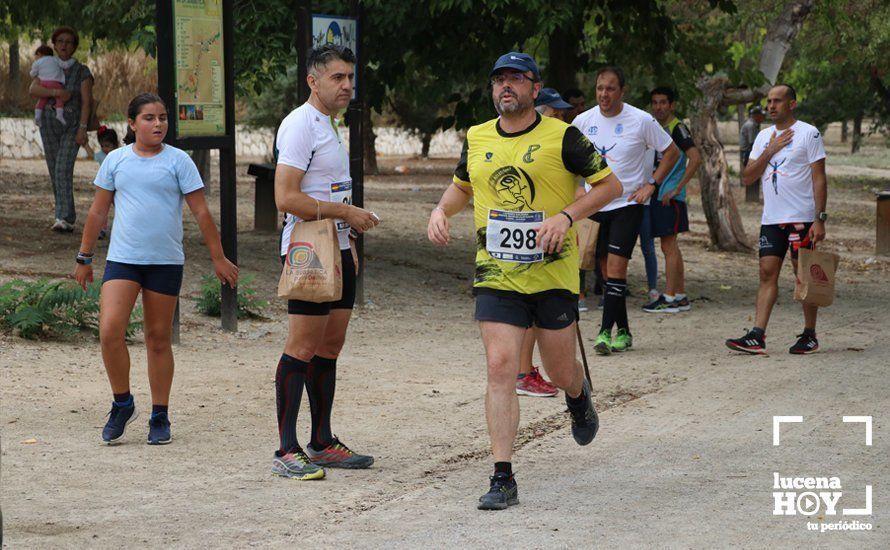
x=522, y=171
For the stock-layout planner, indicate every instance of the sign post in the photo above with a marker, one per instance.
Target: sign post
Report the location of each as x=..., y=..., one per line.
x=196, y=80
x=345, y=31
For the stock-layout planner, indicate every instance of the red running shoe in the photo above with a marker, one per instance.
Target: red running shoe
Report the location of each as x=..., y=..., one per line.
x=534, y=385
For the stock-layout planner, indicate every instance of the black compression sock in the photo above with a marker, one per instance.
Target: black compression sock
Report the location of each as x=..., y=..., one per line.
x=613, y=302
x=289, y=380
x=503, y=468
x=320, y=386
x=621, y=304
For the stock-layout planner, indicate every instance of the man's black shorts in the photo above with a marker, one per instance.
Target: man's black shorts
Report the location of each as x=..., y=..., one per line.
x=551, y=309
x=346, y=301
x=775, y=240
x=668, y=220
x=619, y=230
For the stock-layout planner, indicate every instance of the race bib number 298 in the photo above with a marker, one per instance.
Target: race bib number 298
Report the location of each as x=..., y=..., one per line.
x=513, y=236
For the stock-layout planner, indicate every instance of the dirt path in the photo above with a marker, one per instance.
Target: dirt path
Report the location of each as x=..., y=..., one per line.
x=684, y=455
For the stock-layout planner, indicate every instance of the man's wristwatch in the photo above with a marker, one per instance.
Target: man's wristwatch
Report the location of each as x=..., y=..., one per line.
x=652, y=182
x=822, y=216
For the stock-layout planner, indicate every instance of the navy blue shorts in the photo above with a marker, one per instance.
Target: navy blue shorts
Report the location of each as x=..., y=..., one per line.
x=346, y=301
x=160, y=278
x=551, y=310
x=668, y=220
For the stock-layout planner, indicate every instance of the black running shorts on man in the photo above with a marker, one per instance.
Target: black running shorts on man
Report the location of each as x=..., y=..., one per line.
x=346, y=301
x=775, y=240
x=668, y=220
x=618, y=231
x=551, y=309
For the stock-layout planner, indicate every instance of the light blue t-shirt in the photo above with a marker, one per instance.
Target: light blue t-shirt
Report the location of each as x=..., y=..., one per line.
x=148, y=196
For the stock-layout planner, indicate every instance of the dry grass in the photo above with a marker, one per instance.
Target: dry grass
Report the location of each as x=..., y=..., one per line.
x=119, y=76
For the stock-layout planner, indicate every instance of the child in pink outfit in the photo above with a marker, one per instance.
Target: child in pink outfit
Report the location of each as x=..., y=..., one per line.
x=50, y=71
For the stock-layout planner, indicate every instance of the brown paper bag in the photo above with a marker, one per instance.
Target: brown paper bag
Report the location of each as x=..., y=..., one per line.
x=815, y=277
x=312, y=267
x=587, y=231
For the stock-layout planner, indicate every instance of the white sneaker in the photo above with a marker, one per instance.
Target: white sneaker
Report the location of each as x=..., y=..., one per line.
x=582, y=305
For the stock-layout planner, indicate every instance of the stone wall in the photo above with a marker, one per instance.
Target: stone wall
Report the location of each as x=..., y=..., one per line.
x=20, y=138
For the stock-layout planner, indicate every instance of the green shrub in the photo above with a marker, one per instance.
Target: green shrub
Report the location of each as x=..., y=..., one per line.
x=210, y=301
x=53, y=309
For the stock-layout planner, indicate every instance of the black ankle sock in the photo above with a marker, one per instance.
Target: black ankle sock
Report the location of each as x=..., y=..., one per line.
x=758, y=332
x=320, y=385
x=809, y=332
x=577, y=402
x=614, y=303
x=121, y=398
x=621, y=304
x=158, y=409
x=289, y=380
x=503, y=468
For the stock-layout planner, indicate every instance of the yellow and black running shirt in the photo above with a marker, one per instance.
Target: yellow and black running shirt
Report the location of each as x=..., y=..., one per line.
x=518, y=180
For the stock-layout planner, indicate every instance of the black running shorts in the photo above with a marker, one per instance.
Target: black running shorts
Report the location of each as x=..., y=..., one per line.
x=775, y=240
x=346, y=301
x=551, y=309
x=619, y=230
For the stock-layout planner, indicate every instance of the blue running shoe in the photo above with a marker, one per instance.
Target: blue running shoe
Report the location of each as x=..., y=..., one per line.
x=118, y=418
x=159, y=429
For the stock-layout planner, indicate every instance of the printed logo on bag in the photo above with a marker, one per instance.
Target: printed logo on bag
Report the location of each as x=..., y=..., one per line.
x=302, y=256
x=818, y=273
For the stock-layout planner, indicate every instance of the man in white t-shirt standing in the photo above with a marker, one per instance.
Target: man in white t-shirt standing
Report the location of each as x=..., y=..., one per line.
x=312, y=182
x=789, y=159
x=622, y=133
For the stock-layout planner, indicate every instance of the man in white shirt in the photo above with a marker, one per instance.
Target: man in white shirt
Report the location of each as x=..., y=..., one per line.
x=622, y=133
x=789, y=159
x=312, y=182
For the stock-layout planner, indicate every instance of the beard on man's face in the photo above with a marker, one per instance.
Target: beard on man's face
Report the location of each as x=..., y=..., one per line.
x=519, y=103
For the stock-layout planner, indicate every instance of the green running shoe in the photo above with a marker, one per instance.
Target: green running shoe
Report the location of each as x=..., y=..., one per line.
x=622, y=340
x=296, y=465
x=603, y=343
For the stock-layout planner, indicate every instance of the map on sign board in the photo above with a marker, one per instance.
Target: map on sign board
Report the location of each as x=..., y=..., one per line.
x=340, y=31
x=200, y=68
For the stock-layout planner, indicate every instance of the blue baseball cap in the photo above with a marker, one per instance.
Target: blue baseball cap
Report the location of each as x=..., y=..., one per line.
x=519, y=61
x=551, y=98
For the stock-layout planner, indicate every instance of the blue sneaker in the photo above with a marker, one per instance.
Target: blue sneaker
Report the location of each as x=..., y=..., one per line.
x=159, y=429
x=118, y=418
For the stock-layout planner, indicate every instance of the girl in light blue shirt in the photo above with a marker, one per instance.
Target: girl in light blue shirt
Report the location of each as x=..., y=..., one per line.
x=147, y=181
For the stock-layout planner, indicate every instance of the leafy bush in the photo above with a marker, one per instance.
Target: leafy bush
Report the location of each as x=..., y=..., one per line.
x=53, y=309
x=210, y=301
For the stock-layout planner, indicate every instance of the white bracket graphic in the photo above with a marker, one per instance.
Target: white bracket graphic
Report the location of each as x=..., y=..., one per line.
x=861, y=511
x=867, y=421
x=779, y=420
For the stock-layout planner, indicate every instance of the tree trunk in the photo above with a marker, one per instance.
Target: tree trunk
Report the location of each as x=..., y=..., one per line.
x=845, y=129
x=857, y=132
x=564, y=45
x=14, y=60
x=425, y=139
x=370, y=150
x=724, y=222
